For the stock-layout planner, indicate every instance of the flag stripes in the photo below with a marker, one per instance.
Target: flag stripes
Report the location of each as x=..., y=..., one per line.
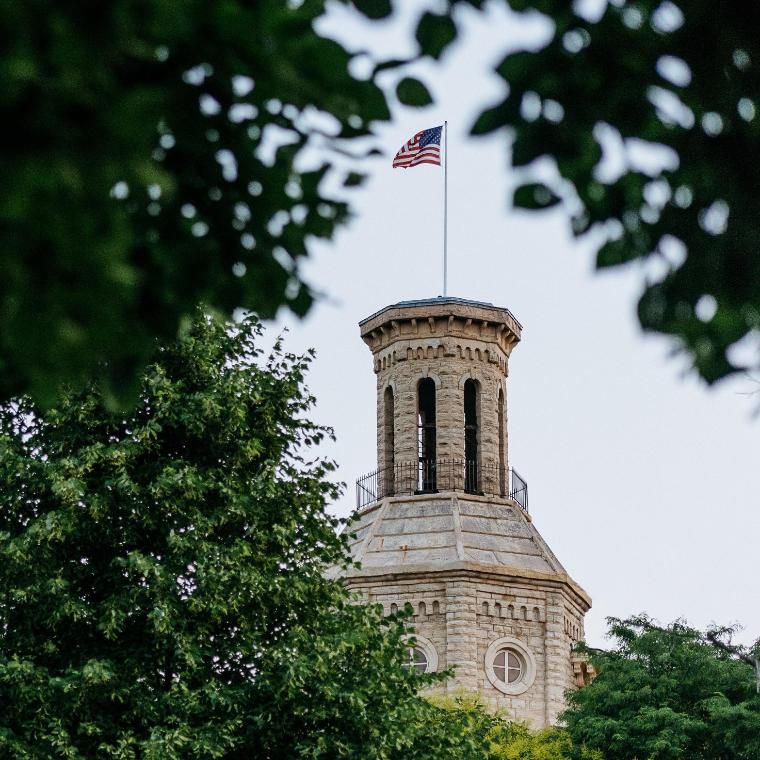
x=423, y=148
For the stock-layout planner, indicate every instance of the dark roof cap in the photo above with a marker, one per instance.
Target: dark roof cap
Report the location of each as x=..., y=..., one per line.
x=438, y=301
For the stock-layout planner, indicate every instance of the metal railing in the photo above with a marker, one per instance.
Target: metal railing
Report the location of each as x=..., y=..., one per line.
x=434, y=475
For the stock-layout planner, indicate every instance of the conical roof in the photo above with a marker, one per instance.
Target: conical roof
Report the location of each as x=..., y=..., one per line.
x=441, y=532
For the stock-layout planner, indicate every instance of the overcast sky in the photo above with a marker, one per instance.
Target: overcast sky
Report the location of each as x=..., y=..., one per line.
x=645, y=483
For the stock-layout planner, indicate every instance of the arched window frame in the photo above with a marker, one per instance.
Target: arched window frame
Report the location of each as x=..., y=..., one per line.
x=502, y=442
x=389, y=441
x=426, y=646
x=472, y=426
x=426, y=434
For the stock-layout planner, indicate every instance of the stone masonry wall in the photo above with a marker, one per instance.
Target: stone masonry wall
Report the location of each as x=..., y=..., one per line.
x=428, y=600
x=470, y=562
x=449, y=349
x=463, y=615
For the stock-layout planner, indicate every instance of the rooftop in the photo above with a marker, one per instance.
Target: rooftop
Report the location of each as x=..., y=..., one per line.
x=439, y=301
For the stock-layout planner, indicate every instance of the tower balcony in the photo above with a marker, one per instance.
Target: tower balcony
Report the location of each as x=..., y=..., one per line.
x=441, y=475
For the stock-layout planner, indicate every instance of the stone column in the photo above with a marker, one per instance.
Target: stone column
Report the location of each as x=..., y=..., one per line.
x=461, y=629
x=449, y=418
x=557, y=659
x=406, y=414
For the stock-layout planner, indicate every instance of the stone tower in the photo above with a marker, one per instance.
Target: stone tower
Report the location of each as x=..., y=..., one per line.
x=443, y=522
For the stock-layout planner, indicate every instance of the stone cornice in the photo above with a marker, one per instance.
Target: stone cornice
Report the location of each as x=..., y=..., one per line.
x=421, y=321
x=426, y=348
x=475, y=570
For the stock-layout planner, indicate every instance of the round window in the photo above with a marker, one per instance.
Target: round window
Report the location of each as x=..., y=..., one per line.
x=507, y=666
x=510, y=666
x=417, y=660
x=421, y=654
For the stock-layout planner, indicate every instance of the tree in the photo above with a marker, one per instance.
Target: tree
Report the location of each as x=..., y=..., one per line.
x=159, y=154
x=513, y=741
x=667, y=693
x=162, y=576
x=501, y=739
x=669, y=91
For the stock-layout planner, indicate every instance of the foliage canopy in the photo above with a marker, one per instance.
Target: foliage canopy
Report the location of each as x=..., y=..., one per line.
x=682, y=81
x=158, y=155
x=164, y=154
x=667, y=693
x=162, y=577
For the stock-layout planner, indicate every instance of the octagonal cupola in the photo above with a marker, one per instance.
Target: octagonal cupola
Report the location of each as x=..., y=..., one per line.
x=441, y=367
x=443, y=522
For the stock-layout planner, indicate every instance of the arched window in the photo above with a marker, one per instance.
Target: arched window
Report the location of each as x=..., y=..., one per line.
x=471, y=435
x=426, y=434
x=502, y=464
x=389, y=444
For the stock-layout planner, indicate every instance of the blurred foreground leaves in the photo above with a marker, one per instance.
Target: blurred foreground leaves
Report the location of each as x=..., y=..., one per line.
x=158, y=154
x=648, y=110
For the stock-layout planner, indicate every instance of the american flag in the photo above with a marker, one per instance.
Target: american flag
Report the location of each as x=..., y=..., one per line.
x=423, y=148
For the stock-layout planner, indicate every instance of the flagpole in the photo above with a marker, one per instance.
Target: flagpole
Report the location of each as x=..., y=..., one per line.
x=445, y=197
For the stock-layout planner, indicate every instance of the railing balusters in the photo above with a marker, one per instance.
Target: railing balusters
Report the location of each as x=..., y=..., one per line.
x=433, y=475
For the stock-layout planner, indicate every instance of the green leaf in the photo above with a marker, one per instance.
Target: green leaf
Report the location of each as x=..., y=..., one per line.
x=391, y=63
x=374, y=9
x=613, y=253
x=534, y=196
x=435, y=33
x=411, y=92
x=354, y=179
x=489, y=121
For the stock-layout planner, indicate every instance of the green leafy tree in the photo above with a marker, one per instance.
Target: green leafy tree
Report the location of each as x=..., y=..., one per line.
x=668, y=693
x=501, y=739
x=682, y=79
x=159, y=154
x=162, y=577
x=513, y=741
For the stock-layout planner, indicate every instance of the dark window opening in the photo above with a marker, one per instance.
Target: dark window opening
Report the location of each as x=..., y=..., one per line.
x=471, y=436
x=389, y=443
x=426, y=434
x=502, y=466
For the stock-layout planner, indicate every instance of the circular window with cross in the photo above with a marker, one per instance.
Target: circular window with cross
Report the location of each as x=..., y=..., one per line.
x=422, y=655
x=510, y=666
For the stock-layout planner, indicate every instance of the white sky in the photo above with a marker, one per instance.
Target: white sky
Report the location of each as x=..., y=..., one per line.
x=645, y=483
